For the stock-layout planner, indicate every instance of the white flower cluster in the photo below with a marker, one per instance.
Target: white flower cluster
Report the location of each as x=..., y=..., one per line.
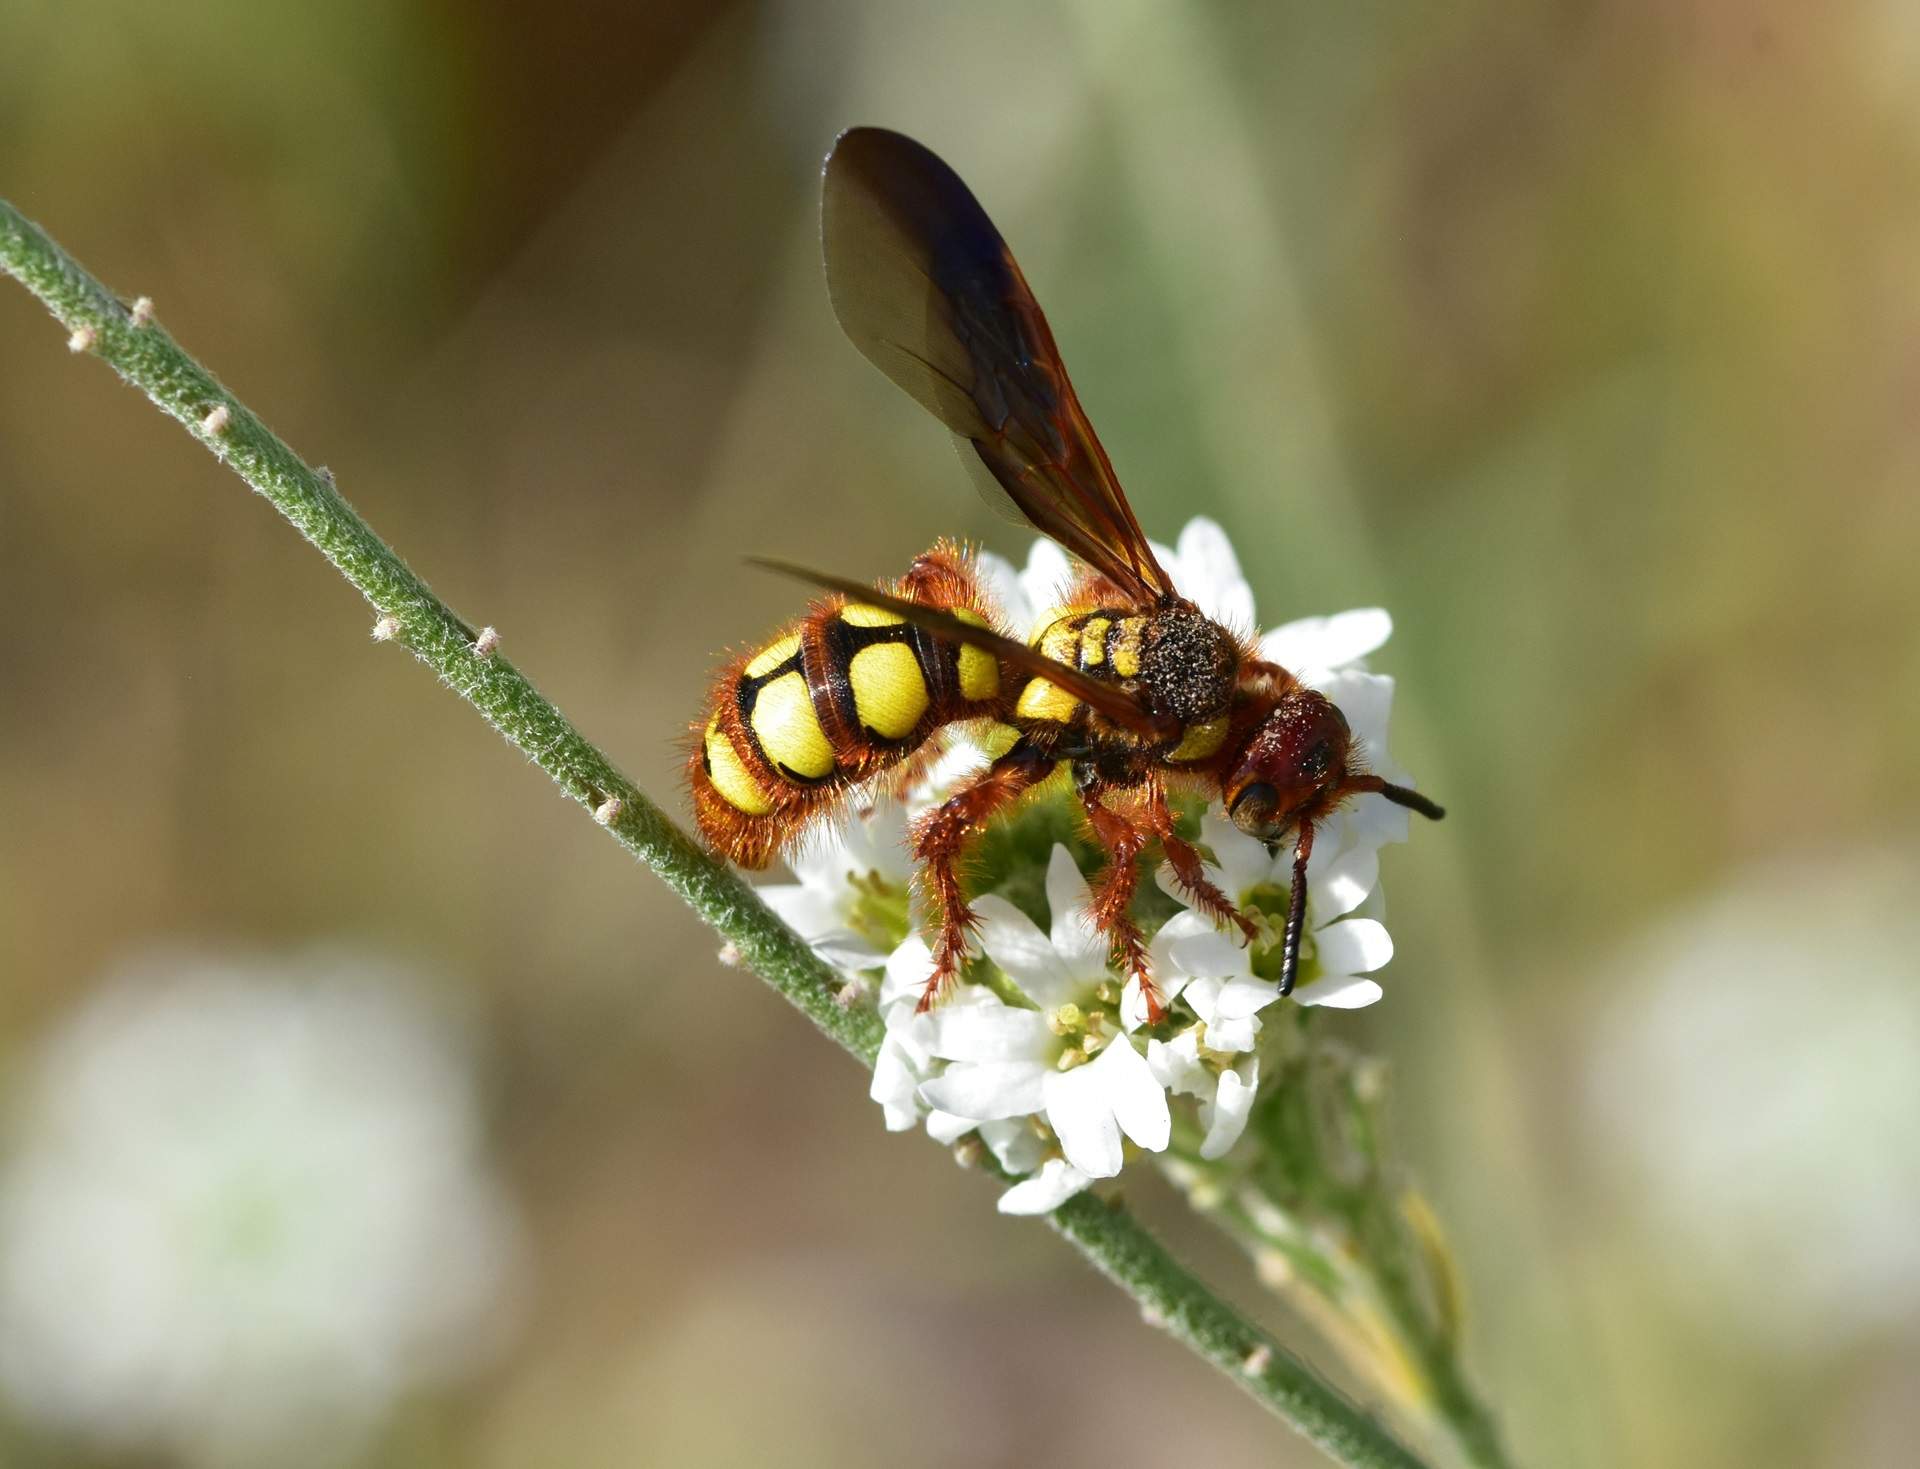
x=1048, y=1062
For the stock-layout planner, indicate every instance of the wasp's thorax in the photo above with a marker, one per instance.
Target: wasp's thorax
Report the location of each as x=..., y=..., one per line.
x=1187, y=663
x=1295, y=768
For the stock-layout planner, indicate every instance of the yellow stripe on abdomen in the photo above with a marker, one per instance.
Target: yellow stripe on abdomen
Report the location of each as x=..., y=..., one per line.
x=979, y=670
x=860, y=614
x=1125, y=646
x=1061, y=641
x=784, y=722
x=772, y=656
x=1093, y=642
x=889, y=691
x=730, y=775
x=1043, y=700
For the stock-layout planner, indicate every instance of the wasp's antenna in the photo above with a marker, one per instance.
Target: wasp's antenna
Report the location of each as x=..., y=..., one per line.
x=1399, y=795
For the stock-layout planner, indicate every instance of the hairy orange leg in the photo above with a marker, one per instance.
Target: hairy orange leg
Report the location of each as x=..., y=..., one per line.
x=1190, y=872
x=942, y=577
x=941, y=835
x=1123, y=841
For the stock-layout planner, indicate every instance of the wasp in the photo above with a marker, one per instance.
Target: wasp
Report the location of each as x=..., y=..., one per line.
x=1127, y=685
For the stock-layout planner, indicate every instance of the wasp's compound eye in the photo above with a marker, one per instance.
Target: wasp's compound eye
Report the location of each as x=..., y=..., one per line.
x=1317, y=761
x=1255, y=798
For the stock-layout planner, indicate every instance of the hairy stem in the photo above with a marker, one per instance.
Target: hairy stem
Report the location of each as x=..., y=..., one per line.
x=142, y=352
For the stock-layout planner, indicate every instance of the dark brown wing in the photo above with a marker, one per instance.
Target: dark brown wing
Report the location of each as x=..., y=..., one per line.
x=929, y=292
x=1109, y=699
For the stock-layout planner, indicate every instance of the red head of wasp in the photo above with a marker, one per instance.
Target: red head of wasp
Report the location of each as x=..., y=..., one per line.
x=1127, y=684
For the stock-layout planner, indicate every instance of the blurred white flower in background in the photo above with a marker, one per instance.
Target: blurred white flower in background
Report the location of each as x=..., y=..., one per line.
x=245, y=1208
x=1755, y=1092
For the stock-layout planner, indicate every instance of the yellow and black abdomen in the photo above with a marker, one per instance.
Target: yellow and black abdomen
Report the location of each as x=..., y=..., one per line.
x=1114, y=647
x=1103, y=645
x=838, y=697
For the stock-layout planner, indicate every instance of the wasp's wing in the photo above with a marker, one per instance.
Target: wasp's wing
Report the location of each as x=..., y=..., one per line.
x=1114, y=702
x=929, y=292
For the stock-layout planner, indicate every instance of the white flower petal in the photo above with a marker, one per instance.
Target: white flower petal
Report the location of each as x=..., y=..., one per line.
x=1047, y=579
x=1201, y=994
x=1083, y=1120
x=1183, y=924
x=1243, y=996
x=1341, y=882
x=951, y=769
x=877, y=843
x=845, y=949
x=1001, y=582
x=820, y=861
x=1353, y=946
x=1374, y=907
x=1013, y=1143
x=1376, y=820
x=896, y=1087
x=907, y=1035
x=1244, y=864
x=990, y=1032
x=1014, y=942
x=1339, y=992
x=1164, y=879
x=1209, y=575
x=1233, y=1035
x=1210, y=955
x=949, y=1128
x=1075, y=939
x=1047, y=1190
x=808, y=909
x=909, y=967
x=1139, y=1105
x=989, y=1090
x=1176, y=1065
x=1226, y=1118
x=1327, y=642
x=1170, y=884
x=1366, y=701
x=1224, y=1033
x=1133, y=998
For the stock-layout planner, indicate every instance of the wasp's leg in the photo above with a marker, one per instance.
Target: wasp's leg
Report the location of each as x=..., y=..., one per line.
x=1296, y=909
x=1123, y=840
x=942, y=834
x=1190, y=872
x=942, y=577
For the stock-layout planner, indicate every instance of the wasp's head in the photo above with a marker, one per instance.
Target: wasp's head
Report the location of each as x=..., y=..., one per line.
x=1296, y=767
x=1299, y=765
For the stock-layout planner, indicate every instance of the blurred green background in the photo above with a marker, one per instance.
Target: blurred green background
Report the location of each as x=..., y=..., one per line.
x=1584, y=337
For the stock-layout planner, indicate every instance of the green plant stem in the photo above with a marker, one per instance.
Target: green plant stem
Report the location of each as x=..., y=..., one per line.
x=1107, y=1234
x=1454, y=1403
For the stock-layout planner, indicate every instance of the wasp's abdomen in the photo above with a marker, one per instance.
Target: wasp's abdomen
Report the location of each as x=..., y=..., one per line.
x=843, y=694
x=1104, y=645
